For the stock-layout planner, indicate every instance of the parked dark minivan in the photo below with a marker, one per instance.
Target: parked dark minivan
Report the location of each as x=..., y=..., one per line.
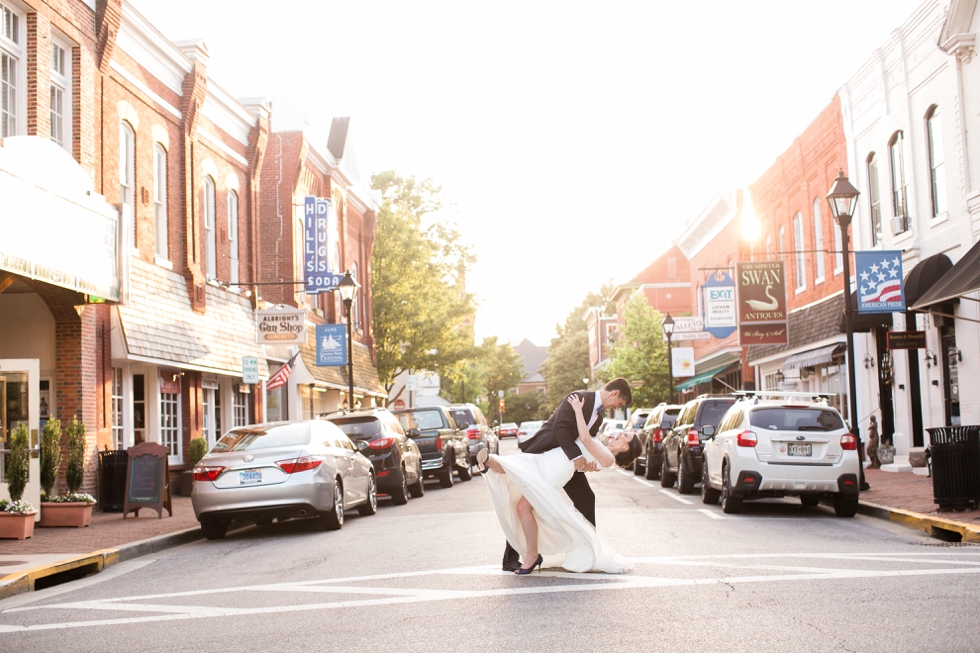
x=442, y=443
x=683, y=455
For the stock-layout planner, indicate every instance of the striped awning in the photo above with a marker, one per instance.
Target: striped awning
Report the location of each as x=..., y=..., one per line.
x=820, y=356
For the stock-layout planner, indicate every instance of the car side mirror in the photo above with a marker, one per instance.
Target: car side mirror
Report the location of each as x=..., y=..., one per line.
x=413, y=433
x=708, y=431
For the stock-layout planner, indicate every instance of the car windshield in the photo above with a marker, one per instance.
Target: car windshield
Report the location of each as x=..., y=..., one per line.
x=427, y=419
x=359, y=428
x=463, y=418
x=508, y=425
x=530, y=427
x=784, y=418
x=248, y=438
x=640, y=421
x=714, y=409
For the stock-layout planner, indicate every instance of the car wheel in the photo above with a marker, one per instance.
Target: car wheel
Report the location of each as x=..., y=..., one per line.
x=399, y=497
x=638, y=466
x=685, y=482
x=464, y=473
x=709, y=495
x=214, y=530
x=666, y=478
x=810, y=501
x=845, y=507
x=371, y=505
x=446, y=477
x=729, y=502
x=333, y=519
x=651, y=471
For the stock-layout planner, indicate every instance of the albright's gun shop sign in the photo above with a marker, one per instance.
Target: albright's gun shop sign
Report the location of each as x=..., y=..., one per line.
x=761, y=288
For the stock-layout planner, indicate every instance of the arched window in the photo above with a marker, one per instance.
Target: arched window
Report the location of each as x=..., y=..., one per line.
x=127, y=178
x=768, y=247
x=934, y=123
x=874, y=199
x=798, y=255
x=782, y=240
x=210, y=238
x=818, y=240
x=896, y=151
x=160, y=201
x=233, y=236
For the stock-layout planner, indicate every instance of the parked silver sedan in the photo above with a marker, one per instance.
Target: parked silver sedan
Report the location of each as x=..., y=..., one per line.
x=282, y=470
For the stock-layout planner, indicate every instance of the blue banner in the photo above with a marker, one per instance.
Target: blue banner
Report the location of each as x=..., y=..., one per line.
x=718, y=297
x=331, y=345
x=880, y=282
x=316, y=269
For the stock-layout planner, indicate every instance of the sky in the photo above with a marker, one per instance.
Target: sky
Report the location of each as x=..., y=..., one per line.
x=572, y=140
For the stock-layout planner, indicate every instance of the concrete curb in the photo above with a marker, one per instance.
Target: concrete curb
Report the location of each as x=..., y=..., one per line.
x=935, y=526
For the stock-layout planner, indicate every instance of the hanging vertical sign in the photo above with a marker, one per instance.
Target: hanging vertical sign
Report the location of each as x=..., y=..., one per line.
x=316, y=268
x=879, y=281
x=331, y=345
x=718, y=294
x=761, y=295
x=682, y=361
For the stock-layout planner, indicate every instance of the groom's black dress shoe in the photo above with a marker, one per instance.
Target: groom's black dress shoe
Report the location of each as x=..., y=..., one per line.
x=511, y=565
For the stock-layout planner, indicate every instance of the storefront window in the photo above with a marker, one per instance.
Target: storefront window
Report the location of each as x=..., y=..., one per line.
x=170, y=423
x=241, y=408
x=117, y=409
x=275, y=404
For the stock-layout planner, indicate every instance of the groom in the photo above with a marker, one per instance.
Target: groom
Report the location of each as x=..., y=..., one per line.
x=561, y=430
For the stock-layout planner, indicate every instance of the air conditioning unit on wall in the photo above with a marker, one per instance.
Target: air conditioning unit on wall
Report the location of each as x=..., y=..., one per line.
x=900, y=224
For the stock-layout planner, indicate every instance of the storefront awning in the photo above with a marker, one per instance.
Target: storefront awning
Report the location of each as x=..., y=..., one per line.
x=924, y=276
x=819, y=356
x=960, y=279
x=701, y=378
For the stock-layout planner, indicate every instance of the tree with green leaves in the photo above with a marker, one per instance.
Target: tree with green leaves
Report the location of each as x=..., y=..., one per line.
x=522, y=407
x=639, y=353
x=421, y=310
x=494, y=367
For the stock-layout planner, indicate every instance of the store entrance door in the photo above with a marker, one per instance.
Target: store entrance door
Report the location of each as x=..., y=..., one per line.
x=20, y=403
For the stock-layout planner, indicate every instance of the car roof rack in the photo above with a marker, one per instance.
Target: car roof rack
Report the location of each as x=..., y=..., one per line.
x=780, y=394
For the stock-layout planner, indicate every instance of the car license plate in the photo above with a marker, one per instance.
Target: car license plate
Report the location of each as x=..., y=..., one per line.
x=251, y=476
x=800, y=450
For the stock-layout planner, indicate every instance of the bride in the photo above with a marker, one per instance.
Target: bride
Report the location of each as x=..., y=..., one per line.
x=538, y=518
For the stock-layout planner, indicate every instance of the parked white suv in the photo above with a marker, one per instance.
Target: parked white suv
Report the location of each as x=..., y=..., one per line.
x=781, y=444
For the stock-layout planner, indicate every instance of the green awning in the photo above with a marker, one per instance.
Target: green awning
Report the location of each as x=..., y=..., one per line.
x=701, y=378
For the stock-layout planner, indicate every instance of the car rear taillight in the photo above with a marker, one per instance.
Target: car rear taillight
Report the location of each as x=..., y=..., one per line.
x=201, y=473
x=473, y=434
x=302, y=464
x=747, y=439
x=848, y=442
x=658, y=435
x=692, y=438
x=438, y=443
x=381, y=443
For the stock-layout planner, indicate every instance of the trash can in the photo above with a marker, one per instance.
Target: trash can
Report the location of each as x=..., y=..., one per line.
x=112, y=479
x=955, y=454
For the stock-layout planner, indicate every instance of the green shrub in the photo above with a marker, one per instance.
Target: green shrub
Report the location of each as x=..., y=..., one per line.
x=197, y=449
x=50, y=456
x=17, y=462
x=75, y=470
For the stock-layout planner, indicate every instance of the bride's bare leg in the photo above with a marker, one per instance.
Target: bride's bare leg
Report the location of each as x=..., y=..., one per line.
x=525, y=512
x=494, y=465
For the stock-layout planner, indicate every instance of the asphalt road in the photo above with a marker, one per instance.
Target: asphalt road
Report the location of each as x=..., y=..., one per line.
x=426, y=577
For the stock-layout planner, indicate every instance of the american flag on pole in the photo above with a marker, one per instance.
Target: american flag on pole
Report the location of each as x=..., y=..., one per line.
x=281, y=375
x=879, y=281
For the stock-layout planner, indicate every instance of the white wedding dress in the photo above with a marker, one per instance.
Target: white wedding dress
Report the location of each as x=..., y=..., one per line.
x=565, y=537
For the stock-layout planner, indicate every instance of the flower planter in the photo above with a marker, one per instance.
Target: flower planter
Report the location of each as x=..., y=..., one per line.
x=75, y=514
x=17, y=526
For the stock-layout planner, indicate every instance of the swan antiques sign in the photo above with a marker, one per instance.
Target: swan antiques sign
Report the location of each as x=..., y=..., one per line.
x=762, y=310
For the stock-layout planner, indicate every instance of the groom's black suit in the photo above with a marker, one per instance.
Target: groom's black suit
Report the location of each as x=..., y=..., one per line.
x=561, y=430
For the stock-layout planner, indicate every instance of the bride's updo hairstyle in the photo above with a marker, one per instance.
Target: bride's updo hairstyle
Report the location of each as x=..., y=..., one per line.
x=626, y=458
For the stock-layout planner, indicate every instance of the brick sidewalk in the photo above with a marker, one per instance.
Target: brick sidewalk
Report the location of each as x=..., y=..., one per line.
x=107, y=530
x=907, y=491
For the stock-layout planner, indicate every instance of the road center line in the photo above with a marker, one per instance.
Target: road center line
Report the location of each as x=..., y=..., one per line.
x=675, y=497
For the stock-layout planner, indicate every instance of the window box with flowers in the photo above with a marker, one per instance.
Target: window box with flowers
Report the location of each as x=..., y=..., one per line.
x=17, y=515
x=73, y=509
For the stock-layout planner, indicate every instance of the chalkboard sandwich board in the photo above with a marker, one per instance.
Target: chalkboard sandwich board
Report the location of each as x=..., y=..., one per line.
x=147, y=480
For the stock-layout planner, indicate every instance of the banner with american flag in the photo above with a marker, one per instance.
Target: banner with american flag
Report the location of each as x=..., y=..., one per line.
x=281, y=375
x=880, y=282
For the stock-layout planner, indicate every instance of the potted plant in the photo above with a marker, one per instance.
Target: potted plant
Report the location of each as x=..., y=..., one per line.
x=196, y=450
x=74, y=508
x=17, y=515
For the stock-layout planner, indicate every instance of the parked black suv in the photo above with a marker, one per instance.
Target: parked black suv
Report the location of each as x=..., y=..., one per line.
x=682, y=453
x=478, y=432
x=396, y=458
x=657, y=425
x=442, y=443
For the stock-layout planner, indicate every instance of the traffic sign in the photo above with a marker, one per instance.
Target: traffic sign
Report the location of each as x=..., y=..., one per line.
x=250, y=369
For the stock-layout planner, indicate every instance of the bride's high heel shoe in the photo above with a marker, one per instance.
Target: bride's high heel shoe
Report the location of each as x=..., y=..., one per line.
x=537, y=563
x=481, y=461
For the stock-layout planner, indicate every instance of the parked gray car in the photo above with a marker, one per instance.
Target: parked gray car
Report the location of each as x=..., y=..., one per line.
x=478, y=432
x=282, y=470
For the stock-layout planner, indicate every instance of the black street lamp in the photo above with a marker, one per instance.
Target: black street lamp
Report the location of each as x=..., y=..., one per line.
x=668, y=327
x=843, y=202
x=348, y=288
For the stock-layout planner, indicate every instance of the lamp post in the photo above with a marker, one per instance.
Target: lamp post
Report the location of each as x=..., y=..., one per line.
x=843, y=201
x=668, y=327
x=348, y=288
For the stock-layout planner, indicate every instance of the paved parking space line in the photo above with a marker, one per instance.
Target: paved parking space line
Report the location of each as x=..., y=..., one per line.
x=624, y=471
x=711, y=513
x=675, y=497
x=644, y=481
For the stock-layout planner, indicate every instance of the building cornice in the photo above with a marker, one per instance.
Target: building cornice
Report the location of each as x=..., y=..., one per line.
x=151, y=50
